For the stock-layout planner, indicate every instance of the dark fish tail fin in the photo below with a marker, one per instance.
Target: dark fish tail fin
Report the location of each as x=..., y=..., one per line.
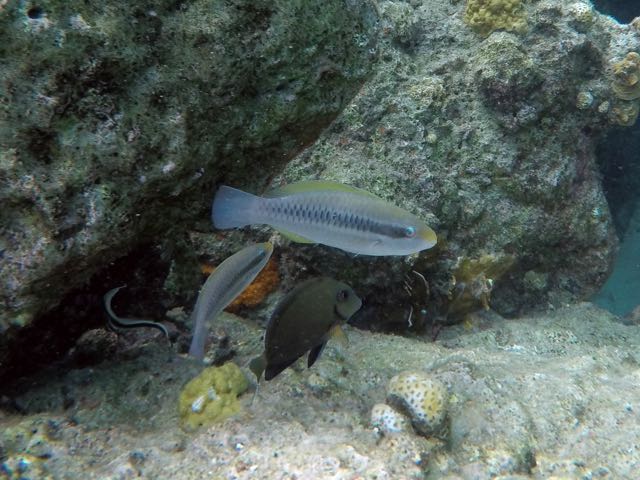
x=257, y=366
x=273, y=371
x=233, y=208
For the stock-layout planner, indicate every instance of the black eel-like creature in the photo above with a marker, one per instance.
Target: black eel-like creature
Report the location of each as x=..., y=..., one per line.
x=115, y=322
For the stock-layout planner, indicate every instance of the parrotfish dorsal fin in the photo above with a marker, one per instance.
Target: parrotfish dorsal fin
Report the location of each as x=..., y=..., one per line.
x=337, y=334
x=314, y=354
x=314, y=186
x=294, y=237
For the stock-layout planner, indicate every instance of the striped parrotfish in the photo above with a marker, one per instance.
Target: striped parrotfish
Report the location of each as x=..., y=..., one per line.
x=224, y=284
x=302, y=322
x=330, y=213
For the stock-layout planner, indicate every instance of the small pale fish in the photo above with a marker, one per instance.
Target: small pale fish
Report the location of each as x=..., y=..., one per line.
x=115, y=322
x=303, y=321
x=330, y=213
x=226, y=282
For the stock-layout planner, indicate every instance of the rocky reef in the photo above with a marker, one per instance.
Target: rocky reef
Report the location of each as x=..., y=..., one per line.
x=118, y=119
x=546, y=396
x=482, y=117
x=491, y=137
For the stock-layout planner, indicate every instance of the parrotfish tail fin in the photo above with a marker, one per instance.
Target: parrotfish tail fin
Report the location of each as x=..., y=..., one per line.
x=255, y=394
x=257, y=366
x=233, y=208
x=196, y=349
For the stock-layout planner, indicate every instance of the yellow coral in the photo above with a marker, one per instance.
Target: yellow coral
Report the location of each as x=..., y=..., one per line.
x=486, y=16
x=212, y=396
x=626, y=73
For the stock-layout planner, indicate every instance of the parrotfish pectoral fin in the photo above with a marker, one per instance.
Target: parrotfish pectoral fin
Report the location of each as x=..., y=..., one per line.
x=314, y=186
x=314, y=354
x=337, y=333
x=232, y=208
x=295, y=237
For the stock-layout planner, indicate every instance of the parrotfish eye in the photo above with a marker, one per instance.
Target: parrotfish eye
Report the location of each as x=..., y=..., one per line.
x=410, y=232
x=342, y=295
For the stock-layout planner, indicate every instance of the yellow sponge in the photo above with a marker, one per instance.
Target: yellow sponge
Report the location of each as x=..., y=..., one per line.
x=485, y=16
x=212, y=396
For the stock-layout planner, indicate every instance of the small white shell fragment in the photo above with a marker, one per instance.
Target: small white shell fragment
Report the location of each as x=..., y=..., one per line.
x=198, y=404
x=212, y=394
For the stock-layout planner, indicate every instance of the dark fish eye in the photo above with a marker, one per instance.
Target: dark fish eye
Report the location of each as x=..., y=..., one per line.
x=342, y=295
x=410, y=232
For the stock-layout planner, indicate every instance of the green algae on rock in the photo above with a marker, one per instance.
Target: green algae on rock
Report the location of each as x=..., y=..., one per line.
x=115, y=117
x=212, y=396
x=482, y=138
x=486, y=16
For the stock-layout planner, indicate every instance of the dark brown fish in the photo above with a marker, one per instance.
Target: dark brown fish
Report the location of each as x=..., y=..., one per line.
x=303, y=321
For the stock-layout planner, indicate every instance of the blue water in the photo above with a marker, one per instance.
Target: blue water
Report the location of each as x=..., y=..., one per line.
x=623, y=11
x=619, y=158
x=621, y=293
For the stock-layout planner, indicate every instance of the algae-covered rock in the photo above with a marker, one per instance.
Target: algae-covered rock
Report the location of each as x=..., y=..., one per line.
x=388, y=421
x=212, y=396
x=485, y=16
x=117, y=119
x=482, y=138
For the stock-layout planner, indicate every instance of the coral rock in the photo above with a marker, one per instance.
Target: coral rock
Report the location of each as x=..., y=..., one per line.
x=423, y=398
x=625, y=114
x=388, y=421
x=582, y=12
x=95, y=346
x=626, y=82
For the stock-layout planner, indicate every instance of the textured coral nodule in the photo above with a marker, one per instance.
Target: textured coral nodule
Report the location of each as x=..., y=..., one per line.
x=584, y=100
x=625, y=114
x=387, y=421
x=581, y=12
x=486, y=16
x=423, y=399
x=626, y=77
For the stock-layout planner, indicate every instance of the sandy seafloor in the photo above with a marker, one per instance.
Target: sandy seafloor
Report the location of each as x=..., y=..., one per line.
x=555, y=395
